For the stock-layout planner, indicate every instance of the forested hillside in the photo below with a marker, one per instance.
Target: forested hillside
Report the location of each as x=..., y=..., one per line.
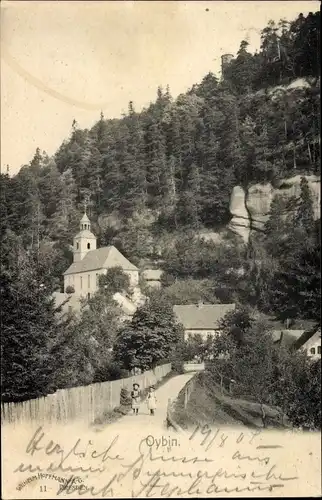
x=178, y=160
x=171, y=167
x=155, y=180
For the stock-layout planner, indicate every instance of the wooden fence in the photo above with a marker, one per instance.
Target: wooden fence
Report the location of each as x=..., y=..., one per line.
x=85, y=403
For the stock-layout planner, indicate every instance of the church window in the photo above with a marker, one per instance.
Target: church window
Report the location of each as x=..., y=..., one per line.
x=88, y=246
x=77, y=246
x=88, y=296
x=85, y=226
x=89, y=281
x=312, y=350
x=81, y=282
x=319, y=349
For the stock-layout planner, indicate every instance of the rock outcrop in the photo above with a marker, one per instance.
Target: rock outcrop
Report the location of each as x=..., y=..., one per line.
x=240, y=222
x=250, y=210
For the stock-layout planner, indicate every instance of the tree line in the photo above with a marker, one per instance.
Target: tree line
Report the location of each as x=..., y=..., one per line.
x=161, y=175
x=173, y=165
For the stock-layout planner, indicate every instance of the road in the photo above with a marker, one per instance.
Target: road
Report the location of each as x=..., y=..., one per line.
x=144, y=420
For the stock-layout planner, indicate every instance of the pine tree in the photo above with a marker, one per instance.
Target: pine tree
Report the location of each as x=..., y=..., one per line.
x=29, y=327
x=304, y=217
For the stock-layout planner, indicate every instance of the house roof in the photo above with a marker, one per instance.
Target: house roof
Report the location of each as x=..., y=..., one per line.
x=66, y=300
x=286, y=337
x=152, y=274
x=102, y=258
x=203, y=316
x=306, y=335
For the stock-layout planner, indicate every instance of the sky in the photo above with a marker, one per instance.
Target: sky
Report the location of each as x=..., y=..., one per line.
x=63, y=60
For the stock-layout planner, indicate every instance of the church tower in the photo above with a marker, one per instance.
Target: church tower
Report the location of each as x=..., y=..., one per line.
x=84, y=241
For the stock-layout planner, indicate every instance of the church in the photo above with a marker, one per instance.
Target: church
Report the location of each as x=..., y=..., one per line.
x=89, y=262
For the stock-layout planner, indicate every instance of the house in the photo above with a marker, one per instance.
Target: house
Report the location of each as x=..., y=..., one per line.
x=286, y=337
x=153, y=277
x=201, y=319
x=65, y=302
x=310, y=341
x=90, y=262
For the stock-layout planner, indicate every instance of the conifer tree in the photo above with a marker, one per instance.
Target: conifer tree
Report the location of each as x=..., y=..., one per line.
x=30, y=328
x=304, y=216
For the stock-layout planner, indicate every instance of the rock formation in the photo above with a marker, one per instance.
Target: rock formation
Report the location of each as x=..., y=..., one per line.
x=250, y=210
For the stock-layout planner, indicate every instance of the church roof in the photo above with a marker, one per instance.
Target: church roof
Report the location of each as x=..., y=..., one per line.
x=102, y=258
x=85, y=234
x=85, y=218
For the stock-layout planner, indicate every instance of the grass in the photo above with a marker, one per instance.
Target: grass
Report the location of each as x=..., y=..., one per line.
x=112, y=416
x=208, y=405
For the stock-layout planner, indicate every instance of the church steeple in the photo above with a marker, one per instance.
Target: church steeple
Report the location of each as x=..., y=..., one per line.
x=84, y=241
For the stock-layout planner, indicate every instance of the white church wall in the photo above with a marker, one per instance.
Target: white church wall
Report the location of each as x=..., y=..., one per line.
x=85, y=283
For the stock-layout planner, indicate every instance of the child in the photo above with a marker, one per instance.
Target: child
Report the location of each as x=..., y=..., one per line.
x=151, y=401
x=136, y=396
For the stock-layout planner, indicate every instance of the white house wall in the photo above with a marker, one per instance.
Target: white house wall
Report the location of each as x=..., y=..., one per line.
x=313, y=343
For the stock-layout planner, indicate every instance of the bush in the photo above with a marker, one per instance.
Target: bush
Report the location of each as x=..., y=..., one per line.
x=70, y=289
x=125, y=398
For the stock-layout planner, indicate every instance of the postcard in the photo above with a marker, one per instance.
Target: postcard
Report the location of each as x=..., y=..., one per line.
x=160, y=249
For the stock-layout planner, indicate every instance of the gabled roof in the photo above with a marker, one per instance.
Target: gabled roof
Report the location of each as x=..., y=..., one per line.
x=67, y=300
x=102, y=258
x=286, y=337
x=307, y=335
x=203, y=316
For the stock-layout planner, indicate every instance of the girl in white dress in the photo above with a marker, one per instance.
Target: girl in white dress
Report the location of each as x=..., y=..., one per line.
x=151, y=401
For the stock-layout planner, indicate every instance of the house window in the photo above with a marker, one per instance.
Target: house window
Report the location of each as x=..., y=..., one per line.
x=81, y=282
x=88, y=246
x=319, y=349
x=77, y=246
x=312, y=350
x=89, y=281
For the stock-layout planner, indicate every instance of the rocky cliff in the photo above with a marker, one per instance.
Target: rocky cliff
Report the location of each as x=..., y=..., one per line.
x=250, y=209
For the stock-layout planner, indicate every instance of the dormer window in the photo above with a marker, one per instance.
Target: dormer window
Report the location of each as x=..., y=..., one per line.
x=88, y=246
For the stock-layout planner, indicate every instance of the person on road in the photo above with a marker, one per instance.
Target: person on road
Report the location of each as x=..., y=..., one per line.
x=136, y=398
x=151, y=401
